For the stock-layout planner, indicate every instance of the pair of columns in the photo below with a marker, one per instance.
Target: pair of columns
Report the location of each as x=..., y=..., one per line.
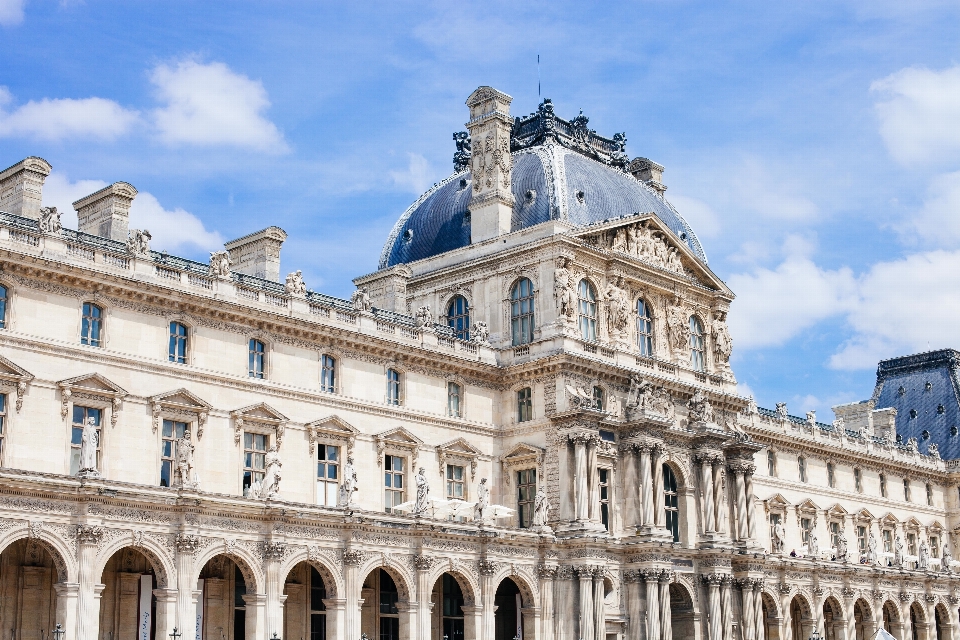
x=644, y=471
x=586, y=498
x=751, y=613
x=713, y=506
x=654, y=620
x=745, y=525
x=719, y=605
x=593, y=622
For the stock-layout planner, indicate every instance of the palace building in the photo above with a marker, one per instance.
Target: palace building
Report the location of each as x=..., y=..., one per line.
x=524, y=425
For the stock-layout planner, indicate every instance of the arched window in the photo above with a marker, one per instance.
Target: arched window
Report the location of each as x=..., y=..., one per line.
x=670, y=502
x=91, y=327
x=393, y=386
x=598, y=399
x=458, y=317
x=178, y=342
x=644, y=328
x=521, y=312
x=698, y=359
x=802, y=468
x=3, y=307
x=587, y=307
x=328, y=374
x=771, y=464
x=258, y=359
x=454, y=393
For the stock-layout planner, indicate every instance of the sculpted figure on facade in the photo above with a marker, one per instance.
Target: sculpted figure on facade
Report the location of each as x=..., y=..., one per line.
x=541, y=510
x=872, y=557
x=779, y=536
x=424, y=318
x=642, y=242
x=699, y=409
x=361, y=300
x=294, y=284
x=185, y=474
x=89, y=442
x=563, y=290
x=898, y=553
x=678, y=329
x=841, y=547
x=618, y=314
x=349, y=486
x=933, y=451
x=923, y=557
x=270, y=487
x=50, y=220
x=138, y=242
x=813, y=545
x=782, y=411
x=461, y=158
x=483, y=501
x=644, y=398
x=479, y=332
x=219, y=264
x=422, y=504
x=946, y=559
x=722, y=342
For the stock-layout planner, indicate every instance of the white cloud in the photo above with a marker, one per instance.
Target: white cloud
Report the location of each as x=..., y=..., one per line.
x=172, y=230
x=11, y=12
x=65, y=118
x=699, y=214
x=937, y=220
x=920, y=120
x=416, y=177
x=209, y=104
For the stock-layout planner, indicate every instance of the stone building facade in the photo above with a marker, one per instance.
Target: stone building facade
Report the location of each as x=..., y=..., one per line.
x=523, y=424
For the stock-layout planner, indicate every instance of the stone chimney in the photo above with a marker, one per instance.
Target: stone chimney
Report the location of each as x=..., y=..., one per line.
x=106, y=213
x=491, y=209
x=258, y=254
x=21, y=187
x=648, y=172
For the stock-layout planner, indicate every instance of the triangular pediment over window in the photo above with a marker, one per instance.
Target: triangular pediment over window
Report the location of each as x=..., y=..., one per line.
x=91, y=385
x=332, y=428
x=863, y=514
x=776, y=503
x=398, y=439
x=15, y=376
x=837, y=511
x=180, y=402
x=458, y=450
x=259, y=415
x=889, y=520
x=522, y=456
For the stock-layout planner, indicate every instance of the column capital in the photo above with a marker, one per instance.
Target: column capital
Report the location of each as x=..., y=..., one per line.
x=89, y=534
x=665, y=576
x=712, y=579
x=546, y=572
x=274, y=550
x=422, y=562
x=353, y=558
x=186, y=543
x=487, y=568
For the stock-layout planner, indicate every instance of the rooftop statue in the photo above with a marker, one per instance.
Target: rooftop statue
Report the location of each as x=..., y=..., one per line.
x=219, y=264
x=295, y=284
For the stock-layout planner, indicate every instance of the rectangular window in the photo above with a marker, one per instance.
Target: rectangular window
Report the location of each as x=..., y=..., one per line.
x=91, y=326
x=934, y=547
x=806, y=525
x=254, y=455
x=328, y=374
x=3, y=422
x=393, y=386
x=912, y=544
x=455, y=482
x=608, y=436
x=526, y=493
x=605, y=477
x=168, y=450
x=834, y=534
x=670, y=502
x=598, y=398
x=524, y=405
x=3, y=307
x=393, y=481
x=862, y=538
x=328, y=475
x=80, y=416
x=178, y=342
x=906, y=490
x=453, y=399
x=258, y=359
x=858, y=480
x=887, y=541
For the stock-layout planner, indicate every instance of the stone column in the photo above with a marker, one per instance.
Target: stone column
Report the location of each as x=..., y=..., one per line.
x=652, y=578
x=718, y=495
x=759, y=627
x=646, y=487
x=713, y=606
x=67, y=593
x=631, y=583
x=656, y=462
x=351, y=585
x=726, y=606
x=666, y=620
x=272, y=556
x=488, y=592
x=599, y=614
x=593, y=481
x=336, y=610
x=585, y=574
x=186, y=611
x=632, y=509
x=547, y=574
x=167, y=613
x=424, y=593
x=580, y=488
x=88, y=596
x=747, y=617
x=255, y=603
x=408, y=620
x=472, y=621
x=706, y=486
x=751, y=510
x=740, y=528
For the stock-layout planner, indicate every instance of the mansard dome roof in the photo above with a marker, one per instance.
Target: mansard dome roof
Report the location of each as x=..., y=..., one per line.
x=561, y=171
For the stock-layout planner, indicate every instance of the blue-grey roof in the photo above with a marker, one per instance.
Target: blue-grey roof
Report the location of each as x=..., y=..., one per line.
x=546, y=181
x=923, y=388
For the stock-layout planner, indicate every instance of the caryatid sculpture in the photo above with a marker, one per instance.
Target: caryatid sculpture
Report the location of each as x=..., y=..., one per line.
x=618, y=314
x=722, y=342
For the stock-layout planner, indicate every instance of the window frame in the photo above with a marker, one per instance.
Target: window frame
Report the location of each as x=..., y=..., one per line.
x=831, y=475
x=907, y=490
x=323, y=485
x=587, y=310
x=858, y=479
x=87, y=322
x=458, y=319
x=253, y=470
x=328, y=369
x=454, y=397
x=526, y=479
x=182, y=343
x=75, y=426
x=524, y=398
x=802, y=468
x=604, y=490
x=4, y=426
x=253, y=356
x=390, y=489
x=451, y=482
x=522, y=307
x=170, y=460
x=671, y=501
x=772, y=464
x=394, y=387
x=698, y=345
x=644, y=328
x=5, y=306
x=929, y=491
x=599, y=397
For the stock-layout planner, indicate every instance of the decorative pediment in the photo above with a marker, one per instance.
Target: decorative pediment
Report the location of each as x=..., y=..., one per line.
x=808, y=508
x=936, y=527
x=522, y=455
x=776, y=503
x=889, y=520
x=864, y=515
x=332, y=428
x=12, y=375
x=837, y=511
x=458, y=450
x=180, y=402
x=91, y=386
x=258, y=415
x=912, y=523
x=398, y=439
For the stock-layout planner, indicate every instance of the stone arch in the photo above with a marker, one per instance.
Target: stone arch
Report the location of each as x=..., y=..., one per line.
x=242, y=557
x=863, y=620
x=941, y=620
x=892, y=611
x=680, y=468
x=163, y=566
x=800, y=616
x=63, y=556
x=915, y=610
x=771, y=616
x=687, y=582
x=683, y=610
x=529, y=594
x=332, y=578
x=402, y=578
x=833, y=617
x=470, y=589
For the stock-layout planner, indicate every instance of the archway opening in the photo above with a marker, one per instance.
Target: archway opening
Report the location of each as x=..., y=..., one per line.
x=862, y=620
x=891, y=618
x=448, y=620
x=917, y=620
x=508, y=623
x=800, y=619
x=771, y=618
x=832, y=619
x=304, y=611
x=380, y=617
x=128, y=601
x=941, y=622
x=681, y=612
x=28, y=601
x=224, y=612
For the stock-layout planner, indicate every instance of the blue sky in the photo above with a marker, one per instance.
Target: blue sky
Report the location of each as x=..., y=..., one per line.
x=814, y=147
